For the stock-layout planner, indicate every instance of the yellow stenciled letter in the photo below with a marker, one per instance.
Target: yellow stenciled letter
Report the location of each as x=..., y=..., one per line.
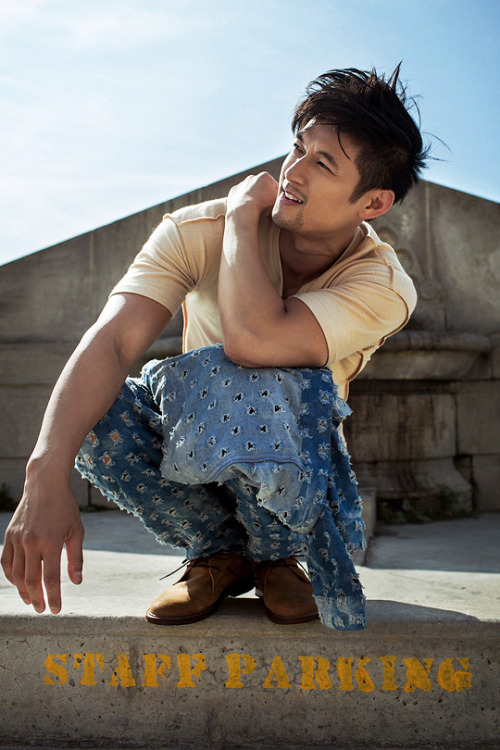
x=278, y=674
x=312, y=673
x=344, y=671
x=389, y=668
x=56, y=669
x=363, y=679
x=454, y=679
x=236, y=670
x=122, y=673
x=185, y=671
x=417, y=675
x=89, y=664
x=151, y=670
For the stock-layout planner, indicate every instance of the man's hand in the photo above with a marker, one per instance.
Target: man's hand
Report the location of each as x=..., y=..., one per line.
x=43, y=523
x=255, y=195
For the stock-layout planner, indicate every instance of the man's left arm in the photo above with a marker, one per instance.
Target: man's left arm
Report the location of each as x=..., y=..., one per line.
x=260, y=328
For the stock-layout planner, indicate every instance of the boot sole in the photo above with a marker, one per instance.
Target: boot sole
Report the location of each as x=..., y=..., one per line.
x=234, y=589
x=292, y=620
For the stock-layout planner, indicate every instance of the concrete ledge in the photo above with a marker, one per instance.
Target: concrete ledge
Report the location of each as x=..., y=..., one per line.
x=427, y=355
x=424, y=673
x=415, y=676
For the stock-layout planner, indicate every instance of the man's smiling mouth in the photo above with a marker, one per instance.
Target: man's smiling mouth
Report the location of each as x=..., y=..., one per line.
x=291, y=197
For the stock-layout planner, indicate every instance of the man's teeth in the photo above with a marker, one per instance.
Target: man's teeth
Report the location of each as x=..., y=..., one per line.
x=291, y=197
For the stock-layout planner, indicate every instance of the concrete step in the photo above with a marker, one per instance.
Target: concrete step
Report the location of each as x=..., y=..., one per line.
x=425, y=672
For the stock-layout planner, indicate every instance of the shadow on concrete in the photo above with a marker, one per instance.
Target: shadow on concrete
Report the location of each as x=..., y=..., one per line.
x=245, y=618
x=469, y=545
x=387, y=611
x=380, y=613
x=113, y=531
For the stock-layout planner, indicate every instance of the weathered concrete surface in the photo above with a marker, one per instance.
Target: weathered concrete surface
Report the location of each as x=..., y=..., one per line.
x=235, y=680
x=447, y=241
x=446, y=364
x=431, y=355
x=425, y=673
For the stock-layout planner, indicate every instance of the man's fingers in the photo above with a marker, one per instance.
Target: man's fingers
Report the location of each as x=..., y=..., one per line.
x=19, y=574
x=15, y=568
x=24, y=570
x=35, y=537
x=33, y=581
x=7, y=559
x=52, y=581
x=52, y=568
x=74, y=551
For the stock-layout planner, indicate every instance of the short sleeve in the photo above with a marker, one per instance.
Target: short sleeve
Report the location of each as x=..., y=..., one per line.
x=362, y=308
x=161, y=270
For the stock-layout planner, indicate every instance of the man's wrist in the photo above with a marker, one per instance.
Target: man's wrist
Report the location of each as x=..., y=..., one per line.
x=40, y=465
x=244, y=215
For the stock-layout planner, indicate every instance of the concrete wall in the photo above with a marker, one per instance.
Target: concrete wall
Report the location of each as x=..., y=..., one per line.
x=425, y=422
x=425, y=426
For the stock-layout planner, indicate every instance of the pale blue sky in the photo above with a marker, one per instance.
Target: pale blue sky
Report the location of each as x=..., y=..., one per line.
x=110, y=106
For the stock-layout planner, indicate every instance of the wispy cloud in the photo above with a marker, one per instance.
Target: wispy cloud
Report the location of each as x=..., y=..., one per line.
x=115, y=24
x=13, y=14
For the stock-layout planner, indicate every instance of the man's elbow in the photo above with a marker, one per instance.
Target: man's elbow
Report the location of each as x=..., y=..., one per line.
x=239, y=350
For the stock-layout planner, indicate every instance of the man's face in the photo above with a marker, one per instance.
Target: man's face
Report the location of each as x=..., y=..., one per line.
x=317, y=180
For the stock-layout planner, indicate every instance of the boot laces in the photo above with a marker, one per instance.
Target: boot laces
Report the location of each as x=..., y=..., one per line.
x=204, y=562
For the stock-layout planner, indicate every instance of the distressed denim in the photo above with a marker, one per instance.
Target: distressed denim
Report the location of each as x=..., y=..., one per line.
x=212, y=456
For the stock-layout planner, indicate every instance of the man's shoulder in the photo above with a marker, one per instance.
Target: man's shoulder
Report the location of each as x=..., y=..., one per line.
x=380, y=260
x=371, y=247
x=207, y=211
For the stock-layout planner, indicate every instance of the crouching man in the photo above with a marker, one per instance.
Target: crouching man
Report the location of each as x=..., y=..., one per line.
x=280, y=279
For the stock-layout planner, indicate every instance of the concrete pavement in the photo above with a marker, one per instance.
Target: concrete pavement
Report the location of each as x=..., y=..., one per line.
x=448, y=565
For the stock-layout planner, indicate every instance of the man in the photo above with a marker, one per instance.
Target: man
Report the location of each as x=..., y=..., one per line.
x=285, y=275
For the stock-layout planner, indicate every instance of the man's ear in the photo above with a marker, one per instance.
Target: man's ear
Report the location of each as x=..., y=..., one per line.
x=376, y=203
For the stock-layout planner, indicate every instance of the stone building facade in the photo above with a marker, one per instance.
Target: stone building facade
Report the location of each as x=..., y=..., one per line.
x=425, y=429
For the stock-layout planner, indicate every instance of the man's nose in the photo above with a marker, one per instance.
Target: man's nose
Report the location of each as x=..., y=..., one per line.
x=295, y=172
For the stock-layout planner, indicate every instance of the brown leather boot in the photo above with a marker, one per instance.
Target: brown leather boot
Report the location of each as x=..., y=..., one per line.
x=286, y=591
x=206, y=581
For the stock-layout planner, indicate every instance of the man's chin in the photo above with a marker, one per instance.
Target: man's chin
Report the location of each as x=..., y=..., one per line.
x=281, y=222
x=278, y=218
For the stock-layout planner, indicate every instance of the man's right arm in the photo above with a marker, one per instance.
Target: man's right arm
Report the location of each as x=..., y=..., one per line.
x=47, y=517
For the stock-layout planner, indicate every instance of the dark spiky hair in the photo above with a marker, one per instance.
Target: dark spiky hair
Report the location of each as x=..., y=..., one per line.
x=374, y=111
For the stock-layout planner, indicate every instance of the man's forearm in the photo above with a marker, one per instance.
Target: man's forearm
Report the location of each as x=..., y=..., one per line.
x=85, y=390
x=93, y=377
x=260, y=328
x=248, y=302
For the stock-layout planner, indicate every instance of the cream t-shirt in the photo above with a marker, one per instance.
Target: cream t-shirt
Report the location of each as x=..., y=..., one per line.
x=363, y=298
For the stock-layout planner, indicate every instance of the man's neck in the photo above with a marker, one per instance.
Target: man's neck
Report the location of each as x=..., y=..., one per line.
x=304, y=259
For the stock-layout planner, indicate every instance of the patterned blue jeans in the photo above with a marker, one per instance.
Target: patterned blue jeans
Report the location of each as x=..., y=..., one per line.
x=185, y=417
